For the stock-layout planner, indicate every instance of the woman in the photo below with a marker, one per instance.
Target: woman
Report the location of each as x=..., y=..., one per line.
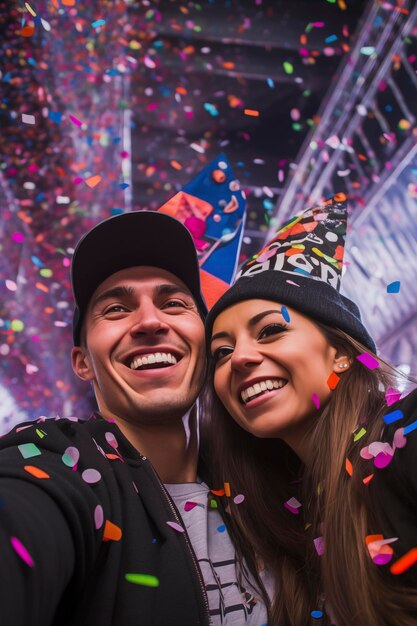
x=323, y=455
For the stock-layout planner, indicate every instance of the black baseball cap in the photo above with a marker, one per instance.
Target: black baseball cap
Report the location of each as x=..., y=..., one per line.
x=129, y=240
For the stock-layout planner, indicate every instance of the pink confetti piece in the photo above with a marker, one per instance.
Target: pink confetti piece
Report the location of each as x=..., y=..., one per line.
x=239, y=498
x=368, y=361
x=316, y=400
x=293, y=505
x=91, y=476
x=28, y=119
x=319, y=545
x=20, y=549
x=382, y=460
x=392, y=396
x=399, y=440
x=189, y=506
x=111, y=440
x=98, y=516
x=176, y=526
x=75, y=120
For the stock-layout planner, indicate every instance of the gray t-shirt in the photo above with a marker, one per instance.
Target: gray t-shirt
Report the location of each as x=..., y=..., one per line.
x=230, y=603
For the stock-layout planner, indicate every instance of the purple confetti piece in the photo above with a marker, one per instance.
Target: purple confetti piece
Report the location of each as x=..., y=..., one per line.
x=368, y=360
x=319, y=545
x=239, y=498
x=176, y=526
x=98, y=516
x=91, y=476
x=111, y=440
x=382, y=559
x=382, y=460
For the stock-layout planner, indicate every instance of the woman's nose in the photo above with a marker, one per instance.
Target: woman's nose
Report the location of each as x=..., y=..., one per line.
x=245, y=355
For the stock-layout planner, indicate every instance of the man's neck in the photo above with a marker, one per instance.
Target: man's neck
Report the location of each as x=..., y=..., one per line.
x=172, y=448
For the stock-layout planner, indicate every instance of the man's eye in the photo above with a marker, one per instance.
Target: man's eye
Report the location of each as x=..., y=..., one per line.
x=115, y=308
x=220, y=353
x=272, y=329
x=170, y=304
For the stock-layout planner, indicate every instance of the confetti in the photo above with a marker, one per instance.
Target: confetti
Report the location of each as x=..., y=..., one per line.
x=28, y=119
x=71, y=456
x=293, y=505
x=316, y=400
x=316, y=614
x=333, y=380
x=93, y=181
x=35, y=471
x=28, y=450
x=394, y=416
x=142, y=579
x=394, y=287
x=111, y=532
x=404, y=562
x=20, y=549
x=176, y=526
x=98, y=516
x=285, y=314
x=368, y=360
x=91, y=476
x=239, y=499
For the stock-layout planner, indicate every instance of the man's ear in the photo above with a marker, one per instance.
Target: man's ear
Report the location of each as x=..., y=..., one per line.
x=81, y=364
x=341, y=363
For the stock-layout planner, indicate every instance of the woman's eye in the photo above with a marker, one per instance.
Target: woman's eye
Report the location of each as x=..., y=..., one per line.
x=221, y=353
x=271, y=329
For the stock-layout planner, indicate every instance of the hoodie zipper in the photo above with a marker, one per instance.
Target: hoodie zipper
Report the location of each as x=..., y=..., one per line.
x=186, y=537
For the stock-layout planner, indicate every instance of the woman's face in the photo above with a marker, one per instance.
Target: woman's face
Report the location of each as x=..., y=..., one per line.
x=271, y=374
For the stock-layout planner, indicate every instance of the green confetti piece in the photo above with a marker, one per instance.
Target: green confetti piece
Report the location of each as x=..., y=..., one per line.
x=142, y=579
x=28, y=450
x=213, y=504
x=288, y=67
x=359, y=434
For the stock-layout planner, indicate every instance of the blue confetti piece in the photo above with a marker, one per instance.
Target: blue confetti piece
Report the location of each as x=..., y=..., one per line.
x=394, y=287
x=211, y=109
x=316, y=614
x=270, y=82
x=124, y=185
x=55, y=116
x=285, y=314
x=394, y=416
x=116, y=211
x=221, y=529
x=410, y=428
x=7, y=77
x=98, y=23
x=331, y=38
x=37, y=261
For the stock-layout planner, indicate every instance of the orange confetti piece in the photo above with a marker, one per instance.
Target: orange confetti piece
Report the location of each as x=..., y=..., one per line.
x=42, y=287
x=175, y=165
x=251, y=112
x=404, y=562
x=111, y=532
x=113, y=457
x=227, y=489
x=93, y=181
x=371, y=538
x=217, y=492
x=333, y=380
x=36, y=471
x=349, y=467
x=367, y=479
x=27, y=31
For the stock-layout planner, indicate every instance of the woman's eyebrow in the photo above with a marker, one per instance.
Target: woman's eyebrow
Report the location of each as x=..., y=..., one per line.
x=252, y=322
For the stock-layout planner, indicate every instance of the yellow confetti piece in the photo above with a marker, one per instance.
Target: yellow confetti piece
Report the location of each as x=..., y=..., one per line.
x=29, y=8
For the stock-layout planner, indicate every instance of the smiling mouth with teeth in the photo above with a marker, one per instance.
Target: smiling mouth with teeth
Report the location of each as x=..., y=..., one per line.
x=260, y=388
x=156, y=360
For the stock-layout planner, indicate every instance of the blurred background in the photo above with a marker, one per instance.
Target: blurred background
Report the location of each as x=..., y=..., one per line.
x=113, y=106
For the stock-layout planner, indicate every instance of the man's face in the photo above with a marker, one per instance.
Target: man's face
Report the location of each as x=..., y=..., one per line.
x=144, y=346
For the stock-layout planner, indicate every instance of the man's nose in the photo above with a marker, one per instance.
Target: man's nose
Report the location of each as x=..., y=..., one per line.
x=148, y=320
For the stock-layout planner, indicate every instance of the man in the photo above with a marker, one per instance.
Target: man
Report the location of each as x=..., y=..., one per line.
x=89, y=532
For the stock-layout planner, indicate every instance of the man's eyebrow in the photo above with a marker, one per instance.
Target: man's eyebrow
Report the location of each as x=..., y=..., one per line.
x=169, y=290
x=122, y=291
x=252, y=322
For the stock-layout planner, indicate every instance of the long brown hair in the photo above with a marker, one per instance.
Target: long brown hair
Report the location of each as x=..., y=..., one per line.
x=335, y=505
